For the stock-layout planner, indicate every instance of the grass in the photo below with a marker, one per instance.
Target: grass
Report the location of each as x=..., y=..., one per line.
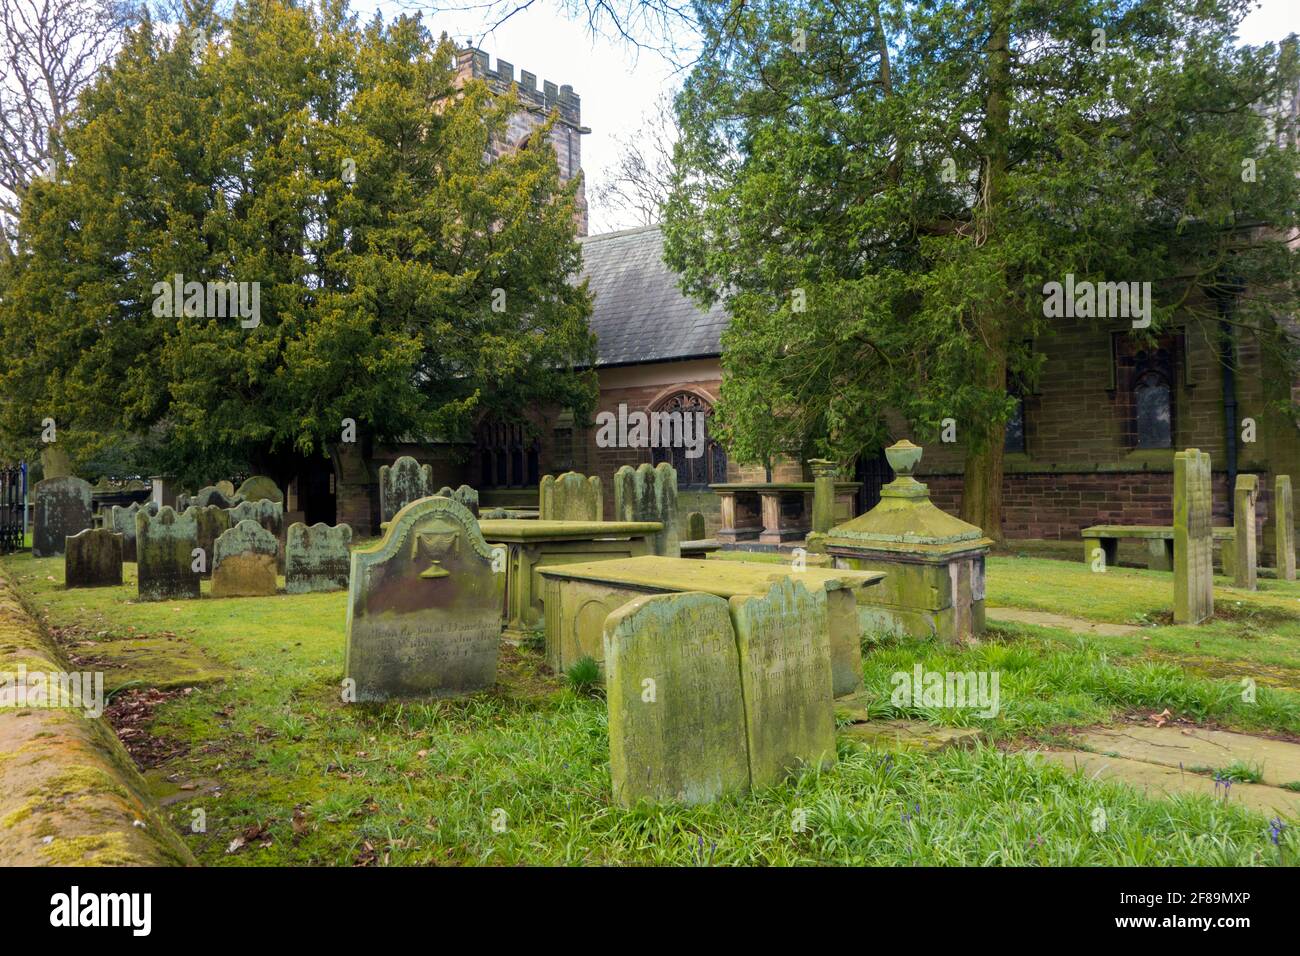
x=286, y=773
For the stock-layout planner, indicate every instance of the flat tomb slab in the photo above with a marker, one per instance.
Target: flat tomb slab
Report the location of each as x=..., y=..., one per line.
x=1158, y=781
x=1278, y=761
x=654, y=573
x=508, y=530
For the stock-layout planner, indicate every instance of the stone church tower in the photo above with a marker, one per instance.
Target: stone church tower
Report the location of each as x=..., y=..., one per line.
x=566, y=135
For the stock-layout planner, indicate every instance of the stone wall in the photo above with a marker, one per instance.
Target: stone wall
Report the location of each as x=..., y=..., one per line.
x=69, y=793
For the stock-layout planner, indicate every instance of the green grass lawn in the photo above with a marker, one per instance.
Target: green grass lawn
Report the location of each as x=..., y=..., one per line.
x=285, y=773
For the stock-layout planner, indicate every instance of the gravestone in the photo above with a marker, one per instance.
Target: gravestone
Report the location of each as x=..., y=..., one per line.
x=696, y=529
x=464, y=494
x=401, y=483
x=206, y=497
x=227, y=488
x=269, y=514
x=244, y=562
x=122, y=520
x=164, y=555
x=1193, y=538
x=785, y=678
x=649, y=493
x=424, y=607
x=676, y=714
x=62, y=507
x=211, y=522
x=1245, y=496
x=317, y=558
x=93, y=559
x=55, y=463
x=260, y=488
x=571, y=497
x=1284, y=527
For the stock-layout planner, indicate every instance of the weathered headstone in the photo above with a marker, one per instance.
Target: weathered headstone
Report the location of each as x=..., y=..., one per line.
x=571, y=497
x=317, y=558
x=402, y=482
x=164, y=555
x=424, y=607
x=244, y=561
x=62, y=508
x=648, y=493
x=696, y=529
x=464, y=494
x=825, y=473
x=211, y=522
x=208, y=496
x=226, y=488
x=93, y=559
x=1284, y=527
x=676, y=715
x=269, y=514
x=122, y=520
x=785, y=678
x=1245, y=496
x=260, y=488
x=55, y=463
x=1193, y=538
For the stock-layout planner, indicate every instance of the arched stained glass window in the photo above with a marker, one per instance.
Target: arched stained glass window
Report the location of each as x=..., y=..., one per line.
x=698, y=458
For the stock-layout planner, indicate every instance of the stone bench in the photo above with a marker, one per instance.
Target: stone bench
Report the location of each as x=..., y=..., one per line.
x=1160, y=543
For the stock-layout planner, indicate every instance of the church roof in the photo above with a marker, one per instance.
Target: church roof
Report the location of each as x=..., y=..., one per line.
x=640, y=314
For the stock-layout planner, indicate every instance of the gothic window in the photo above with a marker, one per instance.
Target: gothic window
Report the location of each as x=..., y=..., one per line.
x=1015, y=440
x=1145, y=374
x=508, y=457
x=696, y=471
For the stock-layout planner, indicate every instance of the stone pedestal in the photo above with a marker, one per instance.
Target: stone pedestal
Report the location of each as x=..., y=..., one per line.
x=933, y=562
x=1245, y=496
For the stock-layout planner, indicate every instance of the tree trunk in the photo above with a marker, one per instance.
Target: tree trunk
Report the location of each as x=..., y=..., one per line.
x=981, y=502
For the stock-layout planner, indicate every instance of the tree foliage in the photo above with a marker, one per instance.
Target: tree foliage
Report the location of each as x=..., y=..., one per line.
x=881, y=189
x=409, y=278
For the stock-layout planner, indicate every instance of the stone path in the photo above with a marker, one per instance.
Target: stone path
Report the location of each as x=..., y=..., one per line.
x=1160, y=761
x=1016, y=615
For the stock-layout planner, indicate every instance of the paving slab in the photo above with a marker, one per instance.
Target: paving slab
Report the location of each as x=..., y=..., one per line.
x=910, y=735
x=1018, y=615
x=1161, y=781
x=1278, y=761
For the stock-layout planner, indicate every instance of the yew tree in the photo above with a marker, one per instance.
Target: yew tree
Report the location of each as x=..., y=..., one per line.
x=880, y=190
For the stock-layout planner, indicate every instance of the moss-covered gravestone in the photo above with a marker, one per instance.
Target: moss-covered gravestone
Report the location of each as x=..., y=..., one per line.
x=401, y=483
x=93, y=559
x=1193, y=538
x=1245, y=497
x=785, y=679
x=61, y=508
x=1284, y=527
x=424, y=607
x=164, y=555
x=676, y=716
x=244, y=562
x=260, y=488
x=206, y=497
x=464, y=494
x=824, y=474
x=696, y=529
x=571, y=497
x=211, y=521
x=317, y=558
x=648, y=493
x=122, y=520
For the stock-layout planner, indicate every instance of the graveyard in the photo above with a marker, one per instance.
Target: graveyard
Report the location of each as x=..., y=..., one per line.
x=483, y=749
x=878, y=454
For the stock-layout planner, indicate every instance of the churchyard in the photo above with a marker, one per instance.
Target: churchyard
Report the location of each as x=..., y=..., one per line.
x=1113, y=735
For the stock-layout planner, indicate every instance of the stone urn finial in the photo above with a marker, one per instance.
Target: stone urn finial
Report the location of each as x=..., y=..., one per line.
x=903, y=457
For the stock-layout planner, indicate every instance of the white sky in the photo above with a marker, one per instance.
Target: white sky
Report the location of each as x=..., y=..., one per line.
x=618, y=86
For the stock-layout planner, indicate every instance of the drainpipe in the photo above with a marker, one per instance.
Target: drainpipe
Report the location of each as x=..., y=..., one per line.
x=1225, y=294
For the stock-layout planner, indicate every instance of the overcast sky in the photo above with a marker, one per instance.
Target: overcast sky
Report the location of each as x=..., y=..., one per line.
x=618, y=86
